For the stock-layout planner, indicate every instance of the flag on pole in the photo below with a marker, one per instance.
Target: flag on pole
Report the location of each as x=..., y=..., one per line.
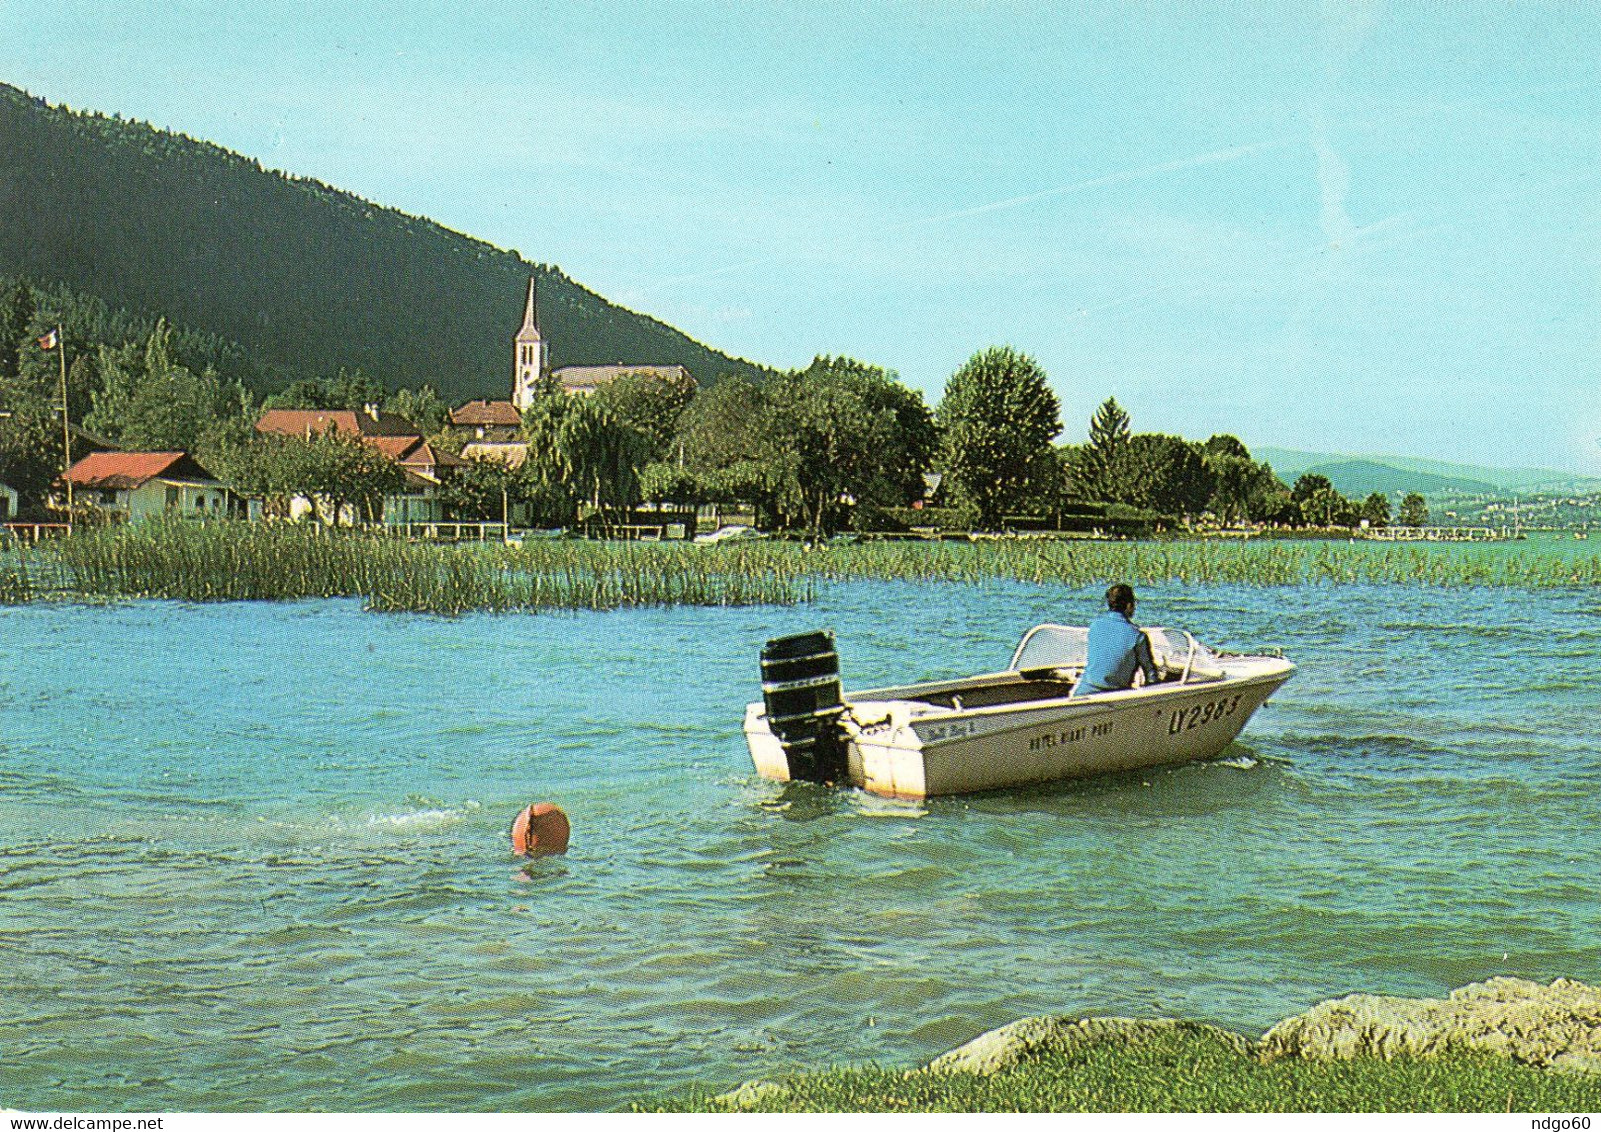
x=48, y=342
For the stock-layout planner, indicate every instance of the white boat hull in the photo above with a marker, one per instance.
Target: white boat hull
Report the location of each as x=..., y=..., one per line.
x=901, y=745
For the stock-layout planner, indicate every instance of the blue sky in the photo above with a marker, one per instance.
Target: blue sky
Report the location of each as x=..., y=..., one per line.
x=1355, y=227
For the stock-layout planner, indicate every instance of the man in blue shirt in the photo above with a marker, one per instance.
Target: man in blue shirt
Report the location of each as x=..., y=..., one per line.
x=1116, y=647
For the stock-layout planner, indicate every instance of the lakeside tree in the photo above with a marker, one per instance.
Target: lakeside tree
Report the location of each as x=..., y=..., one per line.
x=1096, y=472
x=999, y=417
x=1320, y=504
x=1414, y=511
x=844, y=433
x=1376, y=509
x=342, y=476
x=650, y=404
x=1161, y=473
x=723, y=442
x=1242, y=488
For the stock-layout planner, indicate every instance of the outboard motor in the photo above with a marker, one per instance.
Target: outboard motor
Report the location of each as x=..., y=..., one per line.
x=801, y=690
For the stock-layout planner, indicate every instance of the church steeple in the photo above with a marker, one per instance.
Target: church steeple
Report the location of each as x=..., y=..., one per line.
x=530, y=352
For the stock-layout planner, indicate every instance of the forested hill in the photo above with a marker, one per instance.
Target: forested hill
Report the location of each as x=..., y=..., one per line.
x=304, y=276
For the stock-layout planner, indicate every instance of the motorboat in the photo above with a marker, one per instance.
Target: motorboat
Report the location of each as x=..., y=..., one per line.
x=1025, y=724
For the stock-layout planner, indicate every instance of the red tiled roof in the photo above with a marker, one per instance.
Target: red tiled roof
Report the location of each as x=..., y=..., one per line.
x=486, y=413
x=301, y=422
x=128, y=470
x=394, y=447
x=426, y=454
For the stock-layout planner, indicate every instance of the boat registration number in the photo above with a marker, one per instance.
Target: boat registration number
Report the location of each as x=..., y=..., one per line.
x=1187, y=719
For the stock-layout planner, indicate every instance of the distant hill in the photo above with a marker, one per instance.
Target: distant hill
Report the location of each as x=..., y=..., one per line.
x=1360, y=478
x=1290, y=463
x=305, y=277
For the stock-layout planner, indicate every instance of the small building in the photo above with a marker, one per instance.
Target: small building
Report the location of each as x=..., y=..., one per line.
x=512, y=453
x=8, y=502
x=139, y=485
x=496, y=422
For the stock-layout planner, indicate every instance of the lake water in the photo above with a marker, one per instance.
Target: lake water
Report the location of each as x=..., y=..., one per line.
x=254, y=856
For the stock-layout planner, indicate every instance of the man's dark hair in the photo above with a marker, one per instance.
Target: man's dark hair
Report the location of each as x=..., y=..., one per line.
x=1120, y=597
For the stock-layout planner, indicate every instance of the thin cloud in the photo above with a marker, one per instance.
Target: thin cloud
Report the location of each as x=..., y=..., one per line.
x=1381, y=235
x=1183, y=164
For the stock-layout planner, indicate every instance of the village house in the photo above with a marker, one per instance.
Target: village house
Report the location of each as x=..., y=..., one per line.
x=8, y=502
x=131, y=486
x=492, y=422
x=390, y=434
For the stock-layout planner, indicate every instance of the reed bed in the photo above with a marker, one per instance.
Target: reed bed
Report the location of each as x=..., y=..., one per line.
x=237, y=562
x=1266, y=562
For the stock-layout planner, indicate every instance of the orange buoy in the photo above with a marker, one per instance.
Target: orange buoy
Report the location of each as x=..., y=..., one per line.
x=540, y=831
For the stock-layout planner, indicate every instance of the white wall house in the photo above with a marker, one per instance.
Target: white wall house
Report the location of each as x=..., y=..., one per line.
x=8, y=502
x=139, y=485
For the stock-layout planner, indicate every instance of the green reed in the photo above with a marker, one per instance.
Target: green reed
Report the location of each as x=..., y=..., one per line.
x=236, y=562
x=240, y=562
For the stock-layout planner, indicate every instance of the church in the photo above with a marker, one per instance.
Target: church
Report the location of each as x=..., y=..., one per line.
x=495, y=425
x=532, y=363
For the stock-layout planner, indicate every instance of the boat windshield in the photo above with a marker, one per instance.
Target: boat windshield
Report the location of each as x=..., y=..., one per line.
x=1067, y=646
x=1052, y=646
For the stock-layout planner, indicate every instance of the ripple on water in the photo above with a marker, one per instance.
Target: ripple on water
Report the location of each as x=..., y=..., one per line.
x=298, y=896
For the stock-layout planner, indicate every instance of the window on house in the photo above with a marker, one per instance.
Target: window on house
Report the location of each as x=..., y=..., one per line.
x=172, y=496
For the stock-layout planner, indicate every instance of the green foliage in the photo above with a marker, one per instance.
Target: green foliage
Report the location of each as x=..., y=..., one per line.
x=1414, y=512
x=665, y=482
x=346, y=479
x=1096, y=462
x=483, y=491
x=1376, y=509
x=842, y=433
x=302, y=275
x=999, y=417
x=1161, y=473
x=146, y=401
x=806, y=446
x=1242, y=489
x=422, y=407
x=347, y=389
x=1222, y=444
x=1182, y=1073
x=16, y=318
x=650, y=404
x=1320, y=504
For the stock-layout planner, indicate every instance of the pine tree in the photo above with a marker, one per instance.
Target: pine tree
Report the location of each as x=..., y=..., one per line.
x=1109, y=436
x=16, y=314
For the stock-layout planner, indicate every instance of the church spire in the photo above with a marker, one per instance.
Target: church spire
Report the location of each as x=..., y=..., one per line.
x=531, y=312
x=530, y=352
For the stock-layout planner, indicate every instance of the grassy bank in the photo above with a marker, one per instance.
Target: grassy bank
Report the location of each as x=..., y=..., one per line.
x=230, y=562
x=1177, y=1073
